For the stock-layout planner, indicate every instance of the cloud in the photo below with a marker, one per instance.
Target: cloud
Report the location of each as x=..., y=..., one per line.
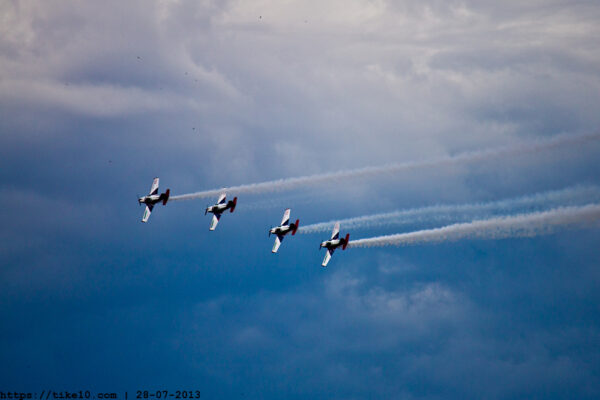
x=392, y=68
x=316, y=326
x=387, y=330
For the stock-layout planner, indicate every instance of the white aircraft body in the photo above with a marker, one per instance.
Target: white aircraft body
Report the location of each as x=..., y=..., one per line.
x=219, y=208
x=333, y=243
x=283, y=229
x=153, y=198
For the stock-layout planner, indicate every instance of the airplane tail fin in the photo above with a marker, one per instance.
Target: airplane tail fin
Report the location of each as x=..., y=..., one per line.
x=296, y=227
x=234, y=204
x=165, y=197
x=346, y=241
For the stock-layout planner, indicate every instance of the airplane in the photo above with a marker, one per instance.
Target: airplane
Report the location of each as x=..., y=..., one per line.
x=153, y=198
x=219, y=209
x=283, y=230
x=333, y=243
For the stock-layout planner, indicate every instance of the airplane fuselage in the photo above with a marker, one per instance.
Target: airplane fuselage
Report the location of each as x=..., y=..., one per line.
x=218, y=208
x=282, y=229
x=332, y=244
x=151, y=199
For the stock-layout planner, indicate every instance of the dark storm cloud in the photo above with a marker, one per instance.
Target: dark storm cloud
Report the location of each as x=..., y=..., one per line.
x=390, y=328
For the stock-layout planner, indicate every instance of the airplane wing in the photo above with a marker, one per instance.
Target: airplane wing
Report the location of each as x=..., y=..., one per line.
x=336, y=231
x=278, y=240
x=214, y=222
x=154, y=188
x=286, y=217
x=327, y=257
x=147, y=212
x=222, y=198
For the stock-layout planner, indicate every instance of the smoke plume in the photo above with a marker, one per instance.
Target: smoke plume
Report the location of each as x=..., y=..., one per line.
x=521, y=225
x=473, y=156
x=576, y=195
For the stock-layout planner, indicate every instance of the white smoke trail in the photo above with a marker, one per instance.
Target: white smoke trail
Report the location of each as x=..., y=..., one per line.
x=520, y=225
x=455, y=212
x=473, y=156
x=284, y=201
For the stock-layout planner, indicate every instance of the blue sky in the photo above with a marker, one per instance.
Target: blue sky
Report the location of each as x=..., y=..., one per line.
x=97, y=98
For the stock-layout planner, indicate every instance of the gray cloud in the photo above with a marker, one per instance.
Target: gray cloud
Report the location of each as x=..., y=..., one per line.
x=391, y=68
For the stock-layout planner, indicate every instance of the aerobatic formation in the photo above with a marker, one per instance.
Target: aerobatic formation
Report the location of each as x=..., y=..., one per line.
x=572, y=206
x=494, y=227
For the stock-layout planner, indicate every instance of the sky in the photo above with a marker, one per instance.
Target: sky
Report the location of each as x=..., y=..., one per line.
x=98, y=98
